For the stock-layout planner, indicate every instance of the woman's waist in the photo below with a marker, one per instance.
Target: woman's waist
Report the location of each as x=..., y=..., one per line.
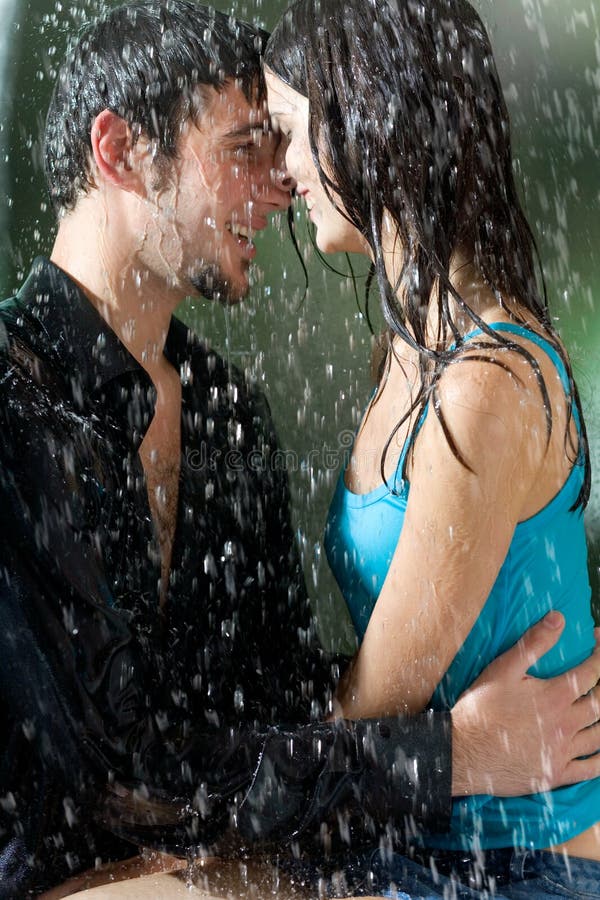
x=536, y=821
x=585, y=845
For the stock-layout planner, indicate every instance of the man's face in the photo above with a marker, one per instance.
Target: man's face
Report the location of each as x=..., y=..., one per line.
x=213, y=198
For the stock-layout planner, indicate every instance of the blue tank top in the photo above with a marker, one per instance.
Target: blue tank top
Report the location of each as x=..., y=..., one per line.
x=545, y=568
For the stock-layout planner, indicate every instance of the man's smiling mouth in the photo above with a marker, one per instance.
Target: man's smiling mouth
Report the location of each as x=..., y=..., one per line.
x=243, y=236
x=241, y=232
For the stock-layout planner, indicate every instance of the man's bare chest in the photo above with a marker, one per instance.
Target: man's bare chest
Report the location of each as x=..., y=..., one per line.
x=160, y=454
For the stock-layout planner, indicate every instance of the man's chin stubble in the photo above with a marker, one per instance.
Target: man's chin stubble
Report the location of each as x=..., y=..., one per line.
x=212, y=284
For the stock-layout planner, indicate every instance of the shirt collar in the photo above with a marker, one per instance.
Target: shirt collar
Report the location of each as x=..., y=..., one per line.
x=79, y=336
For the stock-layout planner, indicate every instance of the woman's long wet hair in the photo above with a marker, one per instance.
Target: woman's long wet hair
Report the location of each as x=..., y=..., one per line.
x=407, y=115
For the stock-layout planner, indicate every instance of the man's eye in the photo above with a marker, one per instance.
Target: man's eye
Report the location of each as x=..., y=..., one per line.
x=243, y=150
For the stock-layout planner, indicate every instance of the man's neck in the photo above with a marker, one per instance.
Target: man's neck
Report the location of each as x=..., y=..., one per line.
x=137, y=306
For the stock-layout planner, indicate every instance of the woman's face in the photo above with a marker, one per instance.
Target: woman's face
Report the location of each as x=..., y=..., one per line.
x=289, y=113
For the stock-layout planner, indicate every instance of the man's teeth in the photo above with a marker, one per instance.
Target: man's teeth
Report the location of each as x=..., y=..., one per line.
x=240, y=231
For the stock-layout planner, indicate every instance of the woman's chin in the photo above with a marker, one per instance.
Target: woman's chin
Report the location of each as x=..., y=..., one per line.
x=331, y=243
x=326, y=244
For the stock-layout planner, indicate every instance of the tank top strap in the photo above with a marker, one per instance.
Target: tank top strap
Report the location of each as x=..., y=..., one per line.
x=407, y=443
x=541, y=342
x=512, y=328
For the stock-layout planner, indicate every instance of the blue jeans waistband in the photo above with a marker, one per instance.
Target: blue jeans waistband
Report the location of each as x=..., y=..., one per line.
x=497, y=869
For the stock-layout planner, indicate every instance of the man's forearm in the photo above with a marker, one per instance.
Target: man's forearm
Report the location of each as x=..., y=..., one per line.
x=388, y=770
x=283, y=785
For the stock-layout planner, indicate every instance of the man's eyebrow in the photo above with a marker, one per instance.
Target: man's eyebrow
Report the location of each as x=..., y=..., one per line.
x=243, y=131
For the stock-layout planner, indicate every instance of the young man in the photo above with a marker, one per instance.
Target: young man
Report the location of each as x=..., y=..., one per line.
x=155, y=627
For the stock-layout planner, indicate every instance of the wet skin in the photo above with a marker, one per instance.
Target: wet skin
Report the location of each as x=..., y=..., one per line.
x=214, y=197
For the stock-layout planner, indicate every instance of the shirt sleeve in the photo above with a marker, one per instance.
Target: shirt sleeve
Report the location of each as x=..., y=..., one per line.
x=80, y=687
x=270, y=789
x=85, y=705
x=269, y=784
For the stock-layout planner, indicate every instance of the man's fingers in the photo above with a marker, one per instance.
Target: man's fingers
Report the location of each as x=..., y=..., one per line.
x=582, y=770
x=587, y=742
x=587, y=709
x=580, y=680
x=540, y=638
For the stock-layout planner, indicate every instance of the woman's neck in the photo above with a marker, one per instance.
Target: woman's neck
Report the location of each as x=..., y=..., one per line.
x=469, y=284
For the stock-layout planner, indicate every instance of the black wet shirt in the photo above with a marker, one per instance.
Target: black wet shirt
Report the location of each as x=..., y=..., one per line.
x=191, y=725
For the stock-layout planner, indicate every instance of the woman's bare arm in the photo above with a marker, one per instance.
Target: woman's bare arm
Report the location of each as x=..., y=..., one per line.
x=457, y=530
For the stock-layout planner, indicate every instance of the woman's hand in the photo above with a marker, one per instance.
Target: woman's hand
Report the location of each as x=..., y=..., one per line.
x=515, y=734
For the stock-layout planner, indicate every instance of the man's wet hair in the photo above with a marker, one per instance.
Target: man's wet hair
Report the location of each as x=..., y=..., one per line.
x=147, y=62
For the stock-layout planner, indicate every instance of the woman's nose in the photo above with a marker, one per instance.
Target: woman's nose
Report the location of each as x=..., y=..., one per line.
x=279, y=173
x=282, y=179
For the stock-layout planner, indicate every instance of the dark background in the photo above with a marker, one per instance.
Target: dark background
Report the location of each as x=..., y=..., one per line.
x=312, y=354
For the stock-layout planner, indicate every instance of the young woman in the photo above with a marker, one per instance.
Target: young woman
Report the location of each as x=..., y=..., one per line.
x=458, y=521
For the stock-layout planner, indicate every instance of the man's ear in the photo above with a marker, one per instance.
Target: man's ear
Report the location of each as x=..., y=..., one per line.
x=115, y=153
